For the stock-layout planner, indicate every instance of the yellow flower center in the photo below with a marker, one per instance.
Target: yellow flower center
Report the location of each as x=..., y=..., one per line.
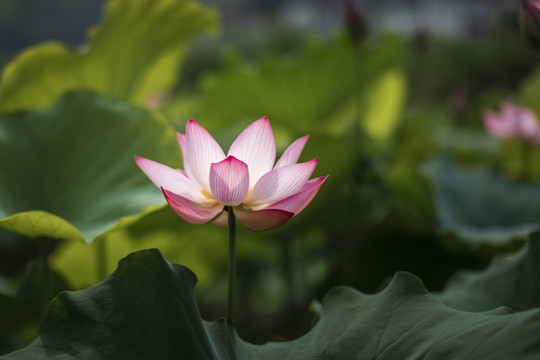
x=207, y=195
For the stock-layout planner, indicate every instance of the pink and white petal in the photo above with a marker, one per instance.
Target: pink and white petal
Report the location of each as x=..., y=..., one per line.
x=257, y=148
x=291, y=155
x=229, y=181
x=497, y=126
x=191, y=215
x=185, y=202
x=509, y=117
x=508, y=110
x=262, y=220
x=222, y=219
x=528, y=123
x=279, y=184
x=201, y=151
x=173, y=180
x=182, y=142
x=297, y=202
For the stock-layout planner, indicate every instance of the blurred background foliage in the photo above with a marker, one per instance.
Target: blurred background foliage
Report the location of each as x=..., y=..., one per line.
x=395, y=118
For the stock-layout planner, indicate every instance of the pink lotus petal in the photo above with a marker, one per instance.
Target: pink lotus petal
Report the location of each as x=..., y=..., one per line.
x=509, y=117
x=229, y=181
x=291, y=155
x=186, y=202
x=222, y=219
x=256, y=147
x=201, y=151
x=297, y=202
x=173, y=180
x=527, y=123
x=263, y=219
x=513, y=121
x=279, y=184
x=188, y=214
x=182, y=142
x=498, y=126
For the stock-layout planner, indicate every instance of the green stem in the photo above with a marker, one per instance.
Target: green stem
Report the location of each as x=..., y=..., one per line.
x=232, y=264
x=101, y=259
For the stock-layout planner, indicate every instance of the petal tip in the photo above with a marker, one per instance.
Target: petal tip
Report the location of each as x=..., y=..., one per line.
x=167, y=197
x=230, y=160
x=264, y=121
x=139, y=160
x=191, y=123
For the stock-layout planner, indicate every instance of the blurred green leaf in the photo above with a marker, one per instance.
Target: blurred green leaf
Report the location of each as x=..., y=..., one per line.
x=313, y=89
x=510, y=280
x=147, y=310
x=135, y=53
x=482, y=207
x=530, y=91
x=384, y=104
x=15, y=251
x=68, y=171
x=410, y=191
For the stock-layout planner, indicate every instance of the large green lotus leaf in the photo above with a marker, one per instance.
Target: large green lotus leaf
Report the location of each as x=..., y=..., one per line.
x=482, y=207
x=314, y=89
x=510, y=280
x=147, y=310
x=135, y=53
x=68, y=172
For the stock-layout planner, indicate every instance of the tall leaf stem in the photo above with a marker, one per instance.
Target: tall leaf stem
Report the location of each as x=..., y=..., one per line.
x=232, y=265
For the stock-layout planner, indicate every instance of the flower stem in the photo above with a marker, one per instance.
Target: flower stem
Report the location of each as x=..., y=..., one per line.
x=232, y=264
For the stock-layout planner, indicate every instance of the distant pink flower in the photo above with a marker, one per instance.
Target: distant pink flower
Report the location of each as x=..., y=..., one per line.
x=529, y=17
x=262, y=195
x=513, y=122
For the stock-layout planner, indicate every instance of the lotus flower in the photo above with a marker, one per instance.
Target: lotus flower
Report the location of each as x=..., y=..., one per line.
x=261, y=194
x=513, y=122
